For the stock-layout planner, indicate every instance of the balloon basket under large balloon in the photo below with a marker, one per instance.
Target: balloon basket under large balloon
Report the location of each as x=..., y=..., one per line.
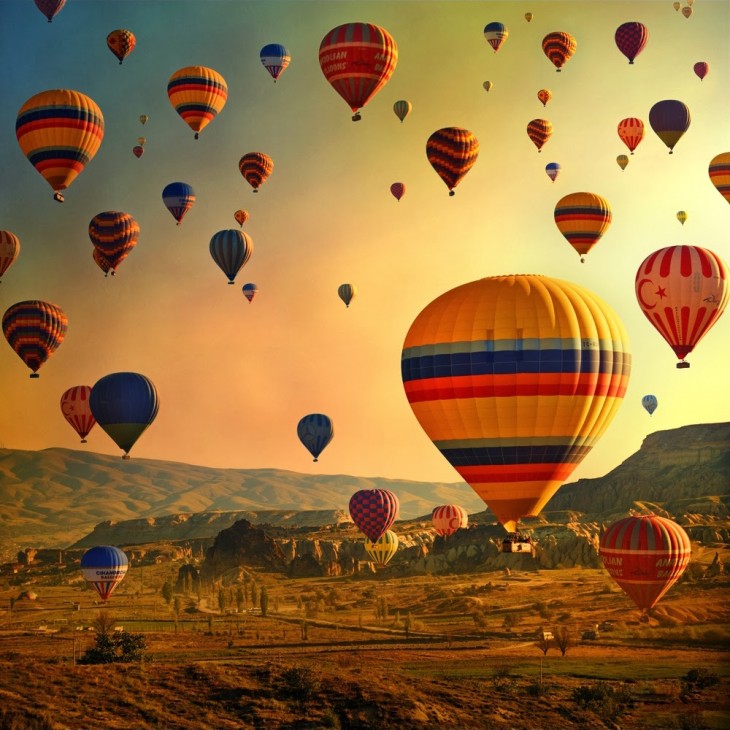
x=356, y=117
x=83, y=441
x=451, y=193
x=126, y=457
x=231, y=282
x=196, y=135
x=315, y=460
x=682, y=365
x=57, y=196
x=36, y=375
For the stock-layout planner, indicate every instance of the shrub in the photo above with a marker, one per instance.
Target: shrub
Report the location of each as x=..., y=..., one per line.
x=109, y=648
x=608, y=703
x=300, y=684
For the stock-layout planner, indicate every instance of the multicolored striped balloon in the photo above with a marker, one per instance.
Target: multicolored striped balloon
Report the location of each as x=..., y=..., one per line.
x=582, y=218
x=719, y=172
x=622, y=161
x=646, y=555
x=178, y=198
x=683, y=291
x=402, y=108
x=670, y=119
x=649, y=403
x=121, y=43
x=198, y=94
x=631, y=132
x=383, y=549
x=255, y=167
x=398, y=190
x=34, y=329
x=241, y=217
x=357, y=59
x=77, y=411
x=496, y=34
x=250, y=291
x=347, y=292
x=50, y=8
x=631, y=39
x=124, y=405
x=373, y=511
x=559, y=47
x=448, y=518
x=315, y=431
x=9, y=250
x=59, y=131
x=552, y=170
x=544, y=95
x=104, y=567
x=231, y=249
x=275, y=59
x=114, y=234
x=514, y=379
x=452, y=152
x=539, y=131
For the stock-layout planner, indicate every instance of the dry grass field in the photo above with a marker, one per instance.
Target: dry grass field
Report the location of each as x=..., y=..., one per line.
x=369, y=652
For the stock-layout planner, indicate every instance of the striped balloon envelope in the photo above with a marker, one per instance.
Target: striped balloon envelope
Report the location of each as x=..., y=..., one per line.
x=514, y=379
x=622, y=161
x=559, y=48
x=250, y=291
x=178, y=198
x=670, y=119
x=198, y=94
x=719, y=172
x=104, y=567
x=357, y=59
x=649, y=403
x=402, y=108
x=373, y=511
x=9, y=250
x=646, y=555
x=275, y=59
x=34, y=329
x=544, y=95
x=448, y=518
x=496, y=34
x=124, y=405
x=77, y=411
x=50, y=8
x=121, y=43
x=452, y=152
x=255, y=167
x=114, y=234
x=582, y=218
x=347, y=292
x=383, y=549
x=315, y=431
x=59, y=132
x=552, y=170
x=683, y=291
x=539, y=131
x=631, y=132
x=631, y=39
x=231, y=250
x=241, y=217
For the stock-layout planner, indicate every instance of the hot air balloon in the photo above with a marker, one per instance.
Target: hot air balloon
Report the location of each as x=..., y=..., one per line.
x=315, y=431
x=452, y=151
x=50, y=8
x=124, y=405
x=544, y=95
x=250, y=291
x=138, y=151
x=241, y=217
x=676, y=5
x=115, y=234
x=77, y=411
x=649, y=402
x=701, y=68
x=9, y=250
x=143, y=118
x=59, y=131
x=559, y=47
x=487, y=86
x=142, y=141
x=275, y=58
x=528, y=17
x=373, y=511
x=631, y=39
x=645, y=555
x=347, y=292
x=383, y=549
x=682, y=216
x=719, y=172
x=197, y=94
x=121, y=43
x=178, y=198
x=104, y=566
x=398, y=190
x=669, y=119
x=683, y=291
x=553, y=170
x=496, y=34
x=582, y=218
x=687, y=11
x=514, y=379
x=539, y=131
x=631, y=132
x=622, y=161
x=402, y=108
x=448, y=518
x=255, y=168
x=357, y=59
x=34, y=329
x=102, y=261
x=231, y=249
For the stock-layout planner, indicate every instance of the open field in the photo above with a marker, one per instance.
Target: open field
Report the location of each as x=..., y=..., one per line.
x=451, y=652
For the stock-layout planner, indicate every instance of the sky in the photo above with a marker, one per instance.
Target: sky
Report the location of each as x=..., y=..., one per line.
x=234, y=378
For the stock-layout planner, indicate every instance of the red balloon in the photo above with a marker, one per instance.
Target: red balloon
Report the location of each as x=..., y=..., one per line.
x=631, y=38
x=448, y=518
x=398, y=190
x=77, y=411
x=701, y=68
x=373, y=511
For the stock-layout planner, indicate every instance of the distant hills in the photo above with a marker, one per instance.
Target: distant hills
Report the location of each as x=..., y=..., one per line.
x=55, y=497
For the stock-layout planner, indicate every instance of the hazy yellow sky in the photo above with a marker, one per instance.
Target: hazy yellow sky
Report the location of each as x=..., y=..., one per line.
x=234, y=378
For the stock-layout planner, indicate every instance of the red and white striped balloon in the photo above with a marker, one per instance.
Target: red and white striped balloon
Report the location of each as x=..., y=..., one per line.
x=448, y=518
x=76, y=410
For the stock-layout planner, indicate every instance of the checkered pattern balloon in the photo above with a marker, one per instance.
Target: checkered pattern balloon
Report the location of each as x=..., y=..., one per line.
x=373, y=511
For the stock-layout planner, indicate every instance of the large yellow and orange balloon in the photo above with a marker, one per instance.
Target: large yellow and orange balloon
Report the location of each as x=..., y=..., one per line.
x=514, y=379
x=59, y=131
x=683, y=291
x=198, y=94
x=582, y=218
x=719, y=172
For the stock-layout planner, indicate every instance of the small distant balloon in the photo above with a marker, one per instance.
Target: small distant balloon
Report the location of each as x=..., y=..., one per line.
x=143, y=118
x=142, y=141
x=682, y=216
x=115, y=234
x=650, y=403
x=347, y=292
x=529, y=17
x=553, y=170
x=452, y=151
x=241, y=217
x=275, y=58
x=50, y=8
x=77, y=411
x=402, y=108
x=631, y=39
x=582, y=218
x=496, y=34
x=373, y=511
x=198, y=94
x=9, y=250
x=383, y=549
x=687, y=11
x=669, y=119
x=104, y=568
x=719, y=172
x=250, y=291
x=544, y=95
x=448, y=518
x=559, y=48
x=487, y=86
x=701, y=68
x=231, y=250
x=138, y=151
x=121, y=43
x=398, y=190
x=622, y=161
x=315, y=431
x=255, y=168
x=539, y=131
x=676, y=5
x=631, y=132
x=178, y=198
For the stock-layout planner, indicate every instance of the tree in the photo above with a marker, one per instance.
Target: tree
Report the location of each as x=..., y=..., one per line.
x=176, y=606
x=167, y=591
x=544, y=642
x=120, y=647
x=563, y=639
x=222, y=599
x=240, y=599
x=264, y=601
x=254, y=594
